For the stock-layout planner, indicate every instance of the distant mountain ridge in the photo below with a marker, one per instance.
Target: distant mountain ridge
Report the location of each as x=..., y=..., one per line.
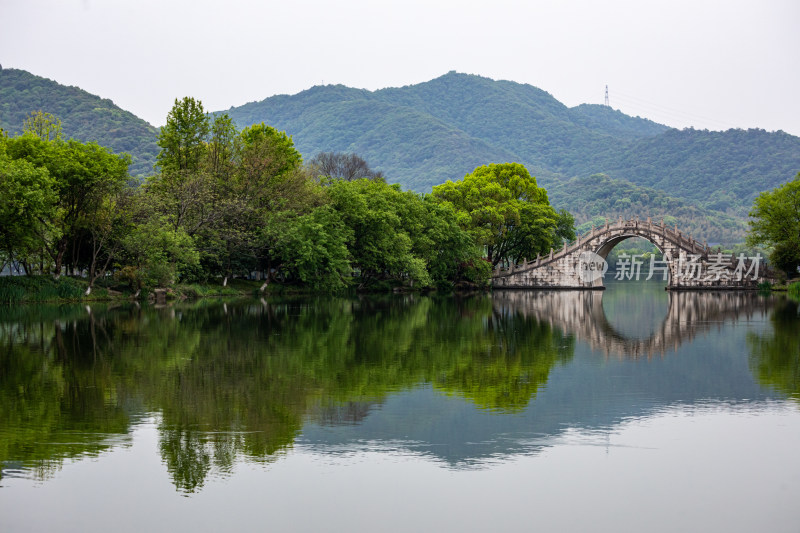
x=461, y=120
x=83, y=116
x=421, y=135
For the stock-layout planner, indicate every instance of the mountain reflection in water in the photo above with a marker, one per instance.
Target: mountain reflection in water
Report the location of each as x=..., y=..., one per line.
x=464, y=380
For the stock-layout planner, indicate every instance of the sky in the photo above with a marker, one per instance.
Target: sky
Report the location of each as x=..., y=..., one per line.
x=705, y=64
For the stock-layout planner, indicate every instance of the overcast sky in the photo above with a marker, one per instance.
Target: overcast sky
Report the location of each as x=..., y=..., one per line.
x=705, y=64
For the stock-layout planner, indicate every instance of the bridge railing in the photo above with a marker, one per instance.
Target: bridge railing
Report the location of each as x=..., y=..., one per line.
x=675, y=236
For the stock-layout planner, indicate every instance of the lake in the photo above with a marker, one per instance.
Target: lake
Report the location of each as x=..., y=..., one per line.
x=630, y=409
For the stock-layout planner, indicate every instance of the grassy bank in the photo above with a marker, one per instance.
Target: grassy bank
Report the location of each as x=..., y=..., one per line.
x=22, y=289
x=29, y=289
x=15, y=289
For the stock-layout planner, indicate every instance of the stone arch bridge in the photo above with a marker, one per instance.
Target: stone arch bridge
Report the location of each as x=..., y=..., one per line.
x=686, y=263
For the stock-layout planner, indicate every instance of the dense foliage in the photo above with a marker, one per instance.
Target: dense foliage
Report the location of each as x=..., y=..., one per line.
x=85, y=117
x=506, y=212
x=61, y=200
x=723, y=171
x=775, y=222
x=227, y=203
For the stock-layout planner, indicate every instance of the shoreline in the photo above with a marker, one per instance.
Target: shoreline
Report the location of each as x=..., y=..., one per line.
x=66, y=290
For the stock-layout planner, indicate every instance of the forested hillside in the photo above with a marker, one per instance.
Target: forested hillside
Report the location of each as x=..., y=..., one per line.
x=422, y=135
x=719, y=170
x=83, y=116
x=595, y=198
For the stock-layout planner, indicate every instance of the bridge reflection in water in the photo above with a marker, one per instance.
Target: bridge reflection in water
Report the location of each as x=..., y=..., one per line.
x=582, y=314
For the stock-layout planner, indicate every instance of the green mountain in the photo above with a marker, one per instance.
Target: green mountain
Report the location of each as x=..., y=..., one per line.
x=421, y=135
x=83, y=116
x=720, y=170
x=595, y=198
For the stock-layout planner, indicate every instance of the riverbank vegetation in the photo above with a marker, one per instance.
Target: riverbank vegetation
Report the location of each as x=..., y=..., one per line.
x=227, y=204
x=775, y=223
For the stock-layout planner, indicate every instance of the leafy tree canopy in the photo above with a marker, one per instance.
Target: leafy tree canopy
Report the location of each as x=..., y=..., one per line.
x=505, y=210
x=775, y=222
x=83, y=176
x=182, y=139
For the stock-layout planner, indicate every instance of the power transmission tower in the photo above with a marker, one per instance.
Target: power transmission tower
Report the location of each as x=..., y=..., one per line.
x=607, y=104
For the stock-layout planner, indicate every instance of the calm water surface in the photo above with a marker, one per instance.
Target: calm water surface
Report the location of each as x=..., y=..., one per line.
x=631, y=409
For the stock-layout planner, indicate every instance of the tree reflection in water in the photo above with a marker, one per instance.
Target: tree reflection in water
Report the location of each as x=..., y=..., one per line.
x=775, y=354
x=229, y=380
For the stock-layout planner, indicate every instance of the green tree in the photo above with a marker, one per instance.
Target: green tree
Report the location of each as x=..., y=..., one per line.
x=182, y=139
x=267, y=156
x=382, y=247
x=28, y=208
x=43, y=125
x=103, y=236
x=312, y=249
x=448, y=250
x=265, y=182
x=505, y=211
x=85, y=175
x=565, y=228
x=185, y=191
x=157, y=254
x=222, y=147
x=775, y=222
x=221, y=187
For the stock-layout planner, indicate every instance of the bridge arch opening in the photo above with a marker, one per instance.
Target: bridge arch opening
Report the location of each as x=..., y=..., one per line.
x=632, y=257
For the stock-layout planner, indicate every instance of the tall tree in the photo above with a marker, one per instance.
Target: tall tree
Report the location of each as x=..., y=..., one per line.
x=264, y=182
x=182, y=139
x=184, y=190
x=222, y=146
x=267, y=156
